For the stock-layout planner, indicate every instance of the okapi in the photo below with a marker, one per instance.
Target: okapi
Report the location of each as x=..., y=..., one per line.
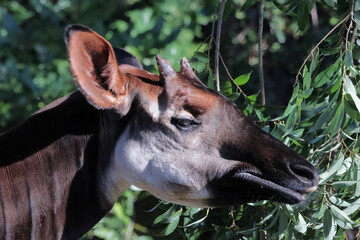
x=62, y=169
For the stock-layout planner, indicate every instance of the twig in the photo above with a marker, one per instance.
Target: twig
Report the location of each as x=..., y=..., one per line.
x=217, y=44
x=212, y=28
x=317, y=46
x=231, y=78
x=353, y=38
x=261, y=53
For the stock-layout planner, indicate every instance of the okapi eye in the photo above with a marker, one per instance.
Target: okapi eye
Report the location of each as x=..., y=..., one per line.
x=184, y=123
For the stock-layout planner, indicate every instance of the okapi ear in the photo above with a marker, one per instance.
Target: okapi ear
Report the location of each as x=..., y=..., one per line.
x=95, y=69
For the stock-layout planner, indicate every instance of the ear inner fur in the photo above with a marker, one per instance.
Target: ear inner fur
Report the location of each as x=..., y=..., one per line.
x=94, y=66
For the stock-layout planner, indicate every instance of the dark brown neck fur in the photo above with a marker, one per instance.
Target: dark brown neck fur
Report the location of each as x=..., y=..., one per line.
x=49, y=173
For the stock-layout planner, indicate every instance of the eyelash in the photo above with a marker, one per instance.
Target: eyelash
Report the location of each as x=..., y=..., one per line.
x=185, y=124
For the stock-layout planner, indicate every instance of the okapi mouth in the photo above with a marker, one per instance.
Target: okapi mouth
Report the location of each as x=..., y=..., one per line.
x=250, y=185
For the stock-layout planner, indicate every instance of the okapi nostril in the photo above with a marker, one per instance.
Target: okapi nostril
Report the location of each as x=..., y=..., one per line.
x=305, y=172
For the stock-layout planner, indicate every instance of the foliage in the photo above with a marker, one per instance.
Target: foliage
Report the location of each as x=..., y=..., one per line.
x=320, y=121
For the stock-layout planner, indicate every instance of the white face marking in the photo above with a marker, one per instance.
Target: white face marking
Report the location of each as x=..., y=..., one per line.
x=156, y=163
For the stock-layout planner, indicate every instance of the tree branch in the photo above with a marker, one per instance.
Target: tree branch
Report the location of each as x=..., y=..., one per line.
x=217, y=44
x=261, y=53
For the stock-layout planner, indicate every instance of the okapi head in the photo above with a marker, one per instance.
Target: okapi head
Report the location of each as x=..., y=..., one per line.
x=183, y=143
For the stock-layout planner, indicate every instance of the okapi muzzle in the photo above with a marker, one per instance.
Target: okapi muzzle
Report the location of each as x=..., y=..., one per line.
x=63, y=168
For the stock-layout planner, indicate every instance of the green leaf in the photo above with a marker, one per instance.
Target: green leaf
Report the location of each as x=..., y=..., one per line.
x=330, y=51
x=269, y=216
x=345, y=167
x=320, y=213
x=226, y=88
x=163, y=218
x=342, y=218
x=288, y=110
x=191, y=211
x=211, y=81
x=242, y=79
x=357, y=5
x=301, y=225
x=330, y=3
x=326, y=114
x=227, y=9
x=336, y=84
x=306, y=93
x=258, y=203
x=335, y=166
x=283, y=223
x=106, y=233
x=350, y=109
x=252, y=98
x=170, y=228
x=234, y=96
x=350, y=89
x=338, y=201
x=329, y=225
x=357, y=172
x=343, y=184
x=336, y=120
x=290, y=122
x=314, y=63
x=325, y=75
x=199, y=220
x=303, y=15
x=201, y=57
x=248, y=4
x=355, y=206
x=306, y=78
x=348, y=59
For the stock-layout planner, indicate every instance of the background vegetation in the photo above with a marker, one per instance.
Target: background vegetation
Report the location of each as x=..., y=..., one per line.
x=311, y=67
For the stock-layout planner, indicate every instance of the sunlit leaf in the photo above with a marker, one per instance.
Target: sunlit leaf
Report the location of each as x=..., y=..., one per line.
x=355, y=206
x=242, y=79
x=350, y=89
x=197, y=221
x=301, y=225
x=338, y=201
x=342, y=219
x=335, y=166
x=345, y=167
